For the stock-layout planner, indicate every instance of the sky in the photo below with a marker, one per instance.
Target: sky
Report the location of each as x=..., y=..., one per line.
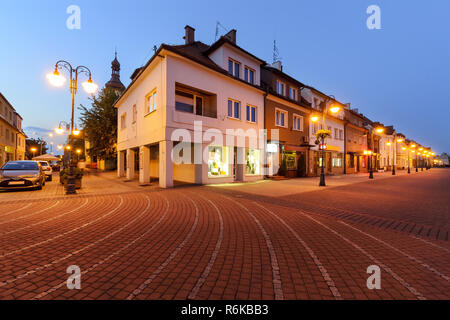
x=398, y=75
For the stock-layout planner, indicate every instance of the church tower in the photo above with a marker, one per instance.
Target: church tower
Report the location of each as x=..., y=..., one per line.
x=115, y=83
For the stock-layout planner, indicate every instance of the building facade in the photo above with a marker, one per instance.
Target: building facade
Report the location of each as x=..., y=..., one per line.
x=334, y=152
x=12, y=138
x=286, y=116
x=203, y=105
x=355, y=142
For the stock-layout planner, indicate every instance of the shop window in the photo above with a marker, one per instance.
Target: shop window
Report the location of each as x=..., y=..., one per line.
x=337, y=160
x=290, y=159
x=218, y=161
x=252, y=162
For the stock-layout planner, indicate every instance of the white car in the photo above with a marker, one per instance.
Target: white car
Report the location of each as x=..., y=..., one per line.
x=47, y=170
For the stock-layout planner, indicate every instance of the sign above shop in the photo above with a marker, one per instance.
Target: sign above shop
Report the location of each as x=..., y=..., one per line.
x=272, y=147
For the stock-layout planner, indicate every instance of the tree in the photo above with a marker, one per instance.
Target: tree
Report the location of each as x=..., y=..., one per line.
x=99, y=124
x=35, y=143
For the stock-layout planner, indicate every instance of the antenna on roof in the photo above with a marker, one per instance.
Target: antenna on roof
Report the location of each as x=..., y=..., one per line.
x=154, y=49
x=218, y=24
x=276, y=54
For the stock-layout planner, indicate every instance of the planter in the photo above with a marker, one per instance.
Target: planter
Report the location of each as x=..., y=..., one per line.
x=77, y=183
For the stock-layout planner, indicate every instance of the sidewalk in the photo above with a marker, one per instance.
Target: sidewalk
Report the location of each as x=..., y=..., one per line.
x=292, y=186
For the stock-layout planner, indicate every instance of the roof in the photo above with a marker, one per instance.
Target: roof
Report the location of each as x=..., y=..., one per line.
x=197, y=52
x=222, y=40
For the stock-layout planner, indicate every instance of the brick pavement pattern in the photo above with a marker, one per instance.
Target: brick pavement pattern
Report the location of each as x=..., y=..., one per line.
x=209, y=242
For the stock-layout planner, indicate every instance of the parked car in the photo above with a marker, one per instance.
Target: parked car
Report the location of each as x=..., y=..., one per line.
x=22, y=174
x=47, y=170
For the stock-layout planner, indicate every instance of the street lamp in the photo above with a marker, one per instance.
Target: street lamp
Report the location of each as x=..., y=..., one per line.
x=371, y=153
x=89, y=86
x=322, y=134
x=33, y=149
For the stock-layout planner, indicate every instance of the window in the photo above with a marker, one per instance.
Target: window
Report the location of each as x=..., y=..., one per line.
x=337, y=160
x=188, y=102
x=233, y=68
x=134, y=114
x=298, y=123
x=336, y=135
x=314, y=128
x=150, y=102
x=280, y=88
x=234, y=109
x=252, y=162
x=281, y=118
x=329, y=129
x=123, y=121
x=341, y=135
x=218, y=161
x=292, y=93
x=249, y=75
x=251, y=113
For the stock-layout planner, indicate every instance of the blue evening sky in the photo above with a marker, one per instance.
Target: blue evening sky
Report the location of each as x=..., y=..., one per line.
x=397, y=75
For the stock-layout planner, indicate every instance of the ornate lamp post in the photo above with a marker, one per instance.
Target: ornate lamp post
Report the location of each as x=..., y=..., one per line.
x=321, y=136
x=89, y=86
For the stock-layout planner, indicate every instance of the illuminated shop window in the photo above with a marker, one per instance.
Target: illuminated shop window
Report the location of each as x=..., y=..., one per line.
x=218, y=161
x=252, y=162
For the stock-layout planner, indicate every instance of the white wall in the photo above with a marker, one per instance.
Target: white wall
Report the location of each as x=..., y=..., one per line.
x=220, y=56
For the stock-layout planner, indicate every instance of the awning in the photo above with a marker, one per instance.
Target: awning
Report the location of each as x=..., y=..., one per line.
x=332, y=148
x=46, y=157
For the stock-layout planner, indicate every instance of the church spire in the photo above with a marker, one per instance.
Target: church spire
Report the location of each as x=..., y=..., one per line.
x=114, y=82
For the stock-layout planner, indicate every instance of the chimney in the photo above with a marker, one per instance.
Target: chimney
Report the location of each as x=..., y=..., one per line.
x=190, y=35
x=277, y=65
x=231, y=35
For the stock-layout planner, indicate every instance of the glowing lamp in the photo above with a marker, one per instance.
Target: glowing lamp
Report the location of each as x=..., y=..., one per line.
x=56, y=79
x=314, y=118
x=59, y=130
x=89, y=86
x=334, y=109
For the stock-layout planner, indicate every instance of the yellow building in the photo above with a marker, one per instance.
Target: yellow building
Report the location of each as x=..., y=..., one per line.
x=12, y=138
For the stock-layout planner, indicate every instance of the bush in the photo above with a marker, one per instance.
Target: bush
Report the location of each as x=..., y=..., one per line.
x=77, y=172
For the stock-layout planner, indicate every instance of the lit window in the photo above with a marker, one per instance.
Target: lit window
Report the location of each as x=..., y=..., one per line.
x=249, y=75
x=218, y=161
x=252, y=162
x=298, y=123
x=281, y=118
x=233, y=68
x=251, y=113
x=150, y=102
x=337, y=160
x=234, y=109
x=280, y=88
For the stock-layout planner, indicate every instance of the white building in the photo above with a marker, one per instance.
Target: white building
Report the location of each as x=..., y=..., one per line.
x=216, y=85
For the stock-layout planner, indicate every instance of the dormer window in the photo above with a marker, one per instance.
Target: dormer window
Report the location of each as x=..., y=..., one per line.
x=292, y=94
x=280, y=88
x=233, y=67
x=249, y=75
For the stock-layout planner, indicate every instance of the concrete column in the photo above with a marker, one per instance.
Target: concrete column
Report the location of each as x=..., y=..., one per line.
x=120, y=164
x=130, y=164
x=240, y=163
x=165, y=164
x=199, y=163
x=144, y=165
